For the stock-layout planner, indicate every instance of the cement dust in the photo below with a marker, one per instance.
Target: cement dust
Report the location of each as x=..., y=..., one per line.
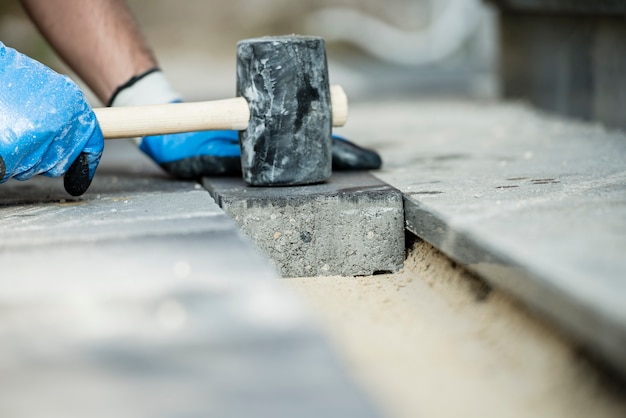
x=434, y=341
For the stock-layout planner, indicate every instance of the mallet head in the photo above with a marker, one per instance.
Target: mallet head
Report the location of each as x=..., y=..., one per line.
x=288, y=139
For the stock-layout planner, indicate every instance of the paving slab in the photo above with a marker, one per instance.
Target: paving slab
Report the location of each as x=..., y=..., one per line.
x=350, y=225
x=143, y=298
x=535, y=204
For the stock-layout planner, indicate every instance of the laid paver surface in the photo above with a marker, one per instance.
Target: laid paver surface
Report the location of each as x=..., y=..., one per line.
x=143, y=298
x=122, y=284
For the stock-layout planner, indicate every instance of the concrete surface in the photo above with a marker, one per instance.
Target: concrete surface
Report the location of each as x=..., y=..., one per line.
x=533, y=203
x=419, y=141
x=142, y=298
x=351, y=225
x=136, y=323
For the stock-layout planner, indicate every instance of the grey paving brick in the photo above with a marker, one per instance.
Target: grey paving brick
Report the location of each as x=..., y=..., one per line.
x=143, y=299
x=349, y=225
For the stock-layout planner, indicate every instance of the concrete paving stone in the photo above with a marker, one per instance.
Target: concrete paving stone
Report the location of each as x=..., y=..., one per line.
x=350, y=225
x=535, y=204
x=143, y=298
x=151, y=337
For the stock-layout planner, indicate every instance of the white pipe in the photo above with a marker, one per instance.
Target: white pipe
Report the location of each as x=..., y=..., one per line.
x=449, y=30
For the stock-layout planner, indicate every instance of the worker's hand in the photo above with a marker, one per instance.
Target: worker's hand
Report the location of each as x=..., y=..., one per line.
x=216, y=153
x=211, y=153
x=46, y=125
x=349, y=156
x=195, y=154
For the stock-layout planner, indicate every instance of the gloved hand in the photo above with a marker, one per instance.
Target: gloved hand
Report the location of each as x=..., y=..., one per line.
x=211, y=153
x=46, y=125
x=216, y=153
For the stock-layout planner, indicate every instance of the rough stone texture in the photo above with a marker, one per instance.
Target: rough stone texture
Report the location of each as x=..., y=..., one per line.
x=143, y=299
x=285, y=81
x=535, y=204
x=351, y=225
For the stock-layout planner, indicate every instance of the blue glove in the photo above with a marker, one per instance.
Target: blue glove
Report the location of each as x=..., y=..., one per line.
x=46, y=125
x=216, y=153
x=195, y=154
x=349, y=156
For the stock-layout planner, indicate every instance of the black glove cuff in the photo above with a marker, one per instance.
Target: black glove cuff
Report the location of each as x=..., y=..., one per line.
x=130, y=83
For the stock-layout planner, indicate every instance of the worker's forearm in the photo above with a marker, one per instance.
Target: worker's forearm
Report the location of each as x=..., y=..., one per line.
x=98, y=39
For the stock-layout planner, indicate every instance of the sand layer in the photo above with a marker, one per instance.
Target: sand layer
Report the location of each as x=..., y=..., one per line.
x=434, y=341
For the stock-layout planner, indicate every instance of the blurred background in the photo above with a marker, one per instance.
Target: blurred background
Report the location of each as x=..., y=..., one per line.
x=564, y=56
x=396, y=48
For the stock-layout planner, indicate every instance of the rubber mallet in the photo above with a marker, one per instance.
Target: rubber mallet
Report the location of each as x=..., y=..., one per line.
x=285, y=112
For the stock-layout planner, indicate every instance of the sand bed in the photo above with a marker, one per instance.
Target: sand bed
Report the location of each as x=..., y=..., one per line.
x=434, y=341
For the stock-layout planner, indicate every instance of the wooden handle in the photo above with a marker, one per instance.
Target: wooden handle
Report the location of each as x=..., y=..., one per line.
x=339, y=104
x=132, y=121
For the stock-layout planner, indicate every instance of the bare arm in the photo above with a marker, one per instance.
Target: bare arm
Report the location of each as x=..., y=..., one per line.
x=98, y=39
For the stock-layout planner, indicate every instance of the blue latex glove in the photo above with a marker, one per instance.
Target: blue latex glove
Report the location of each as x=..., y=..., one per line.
x=46, y=125
x=195, y=154
x=216, y=153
